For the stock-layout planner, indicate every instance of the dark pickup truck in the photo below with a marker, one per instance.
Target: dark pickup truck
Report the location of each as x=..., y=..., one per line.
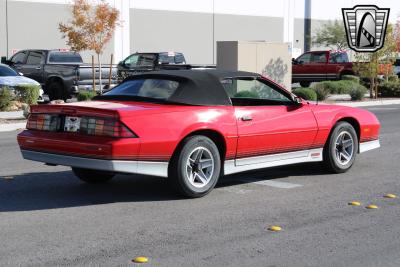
x=144, y=62
x=61, y=74
x=315, y=66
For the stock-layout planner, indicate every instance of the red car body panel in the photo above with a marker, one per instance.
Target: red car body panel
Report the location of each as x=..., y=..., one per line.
x=160, y=128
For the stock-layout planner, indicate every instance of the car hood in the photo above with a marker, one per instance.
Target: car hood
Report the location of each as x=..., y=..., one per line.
x=16, y=80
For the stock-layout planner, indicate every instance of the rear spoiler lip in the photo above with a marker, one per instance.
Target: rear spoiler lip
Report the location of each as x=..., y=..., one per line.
x=75, y=110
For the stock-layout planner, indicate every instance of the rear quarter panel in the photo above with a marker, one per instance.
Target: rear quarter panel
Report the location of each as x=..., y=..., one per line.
x=160, y=132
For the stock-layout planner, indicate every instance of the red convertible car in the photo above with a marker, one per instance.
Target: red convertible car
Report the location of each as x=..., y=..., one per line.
x=193, y=126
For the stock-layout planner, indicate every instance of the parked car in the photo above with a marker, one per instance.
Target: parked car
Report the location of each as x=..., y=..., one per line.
x=193, y=127
x=11, y=79
x=315, y=66
x=61, y=74
x=145, y=62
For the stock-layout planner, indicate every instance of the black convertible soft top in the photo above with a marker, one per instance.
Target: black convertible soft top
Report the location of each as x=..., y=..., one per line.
x=196, y=87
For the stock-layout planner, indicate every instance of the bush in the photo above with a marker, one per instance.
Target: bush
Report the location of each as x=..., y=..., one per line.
x=86, y=95
x=246, y=93
x=389, y=89
x=321, y=91
x=352, y=78
x=5, y=98
x=358, y=92
x=28, y=94
x=338, y=87
x=393, y=78
x=306, y=93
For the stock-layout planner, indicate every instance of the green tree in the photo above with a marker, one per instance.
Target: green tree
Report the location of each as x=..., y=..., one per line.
x=333, y=35
x=91, y=27
x=367, y=64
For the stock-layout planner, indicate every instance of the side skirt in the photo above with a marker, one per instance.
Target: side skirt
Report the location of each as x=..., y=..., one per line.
x=252, y=163
x=366, y=146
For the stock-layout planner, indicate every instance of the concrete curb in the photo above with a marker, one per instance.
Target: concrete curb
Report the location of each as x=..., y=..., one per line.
x=370, y=103
x=8, y=127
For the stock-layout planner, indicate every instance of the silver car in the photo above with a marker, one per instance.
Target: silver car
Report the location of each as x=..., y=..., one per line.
x=10, y=78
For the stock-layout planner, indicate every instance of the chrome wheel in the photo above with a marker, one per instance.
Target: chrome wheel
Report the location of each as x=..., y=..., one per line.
x=344, y=148
x=200, y=167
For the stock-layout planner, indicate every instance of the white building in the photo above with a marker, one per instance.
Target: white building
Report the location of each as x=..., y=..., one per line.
x=187, y=26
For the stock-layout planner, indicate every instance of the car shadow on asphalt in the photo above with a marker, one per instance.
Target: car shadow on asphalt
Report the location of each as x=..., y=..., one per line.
x=302, y=169
x=53, y=190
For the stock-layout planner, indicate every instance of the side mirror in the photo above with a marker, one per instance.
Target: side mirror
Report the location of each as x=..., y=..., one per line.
x=5, y=61
x=297, y=100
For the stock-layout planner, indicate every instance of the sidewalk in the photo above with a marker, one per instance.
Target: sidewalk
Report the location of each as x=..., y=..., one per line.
x=11, y=115
x=377, y=102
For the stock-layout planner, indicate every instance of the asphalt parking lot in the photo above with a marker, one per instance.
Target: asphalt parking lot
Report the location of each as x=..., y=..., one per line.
x=48, y=217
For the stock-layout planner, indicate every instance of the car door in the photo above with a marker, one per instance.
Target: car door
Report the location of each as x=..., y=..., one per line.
x=269, y=122
x=18, y=60
x=318, y=65
x=33, y=66
x=301, y=68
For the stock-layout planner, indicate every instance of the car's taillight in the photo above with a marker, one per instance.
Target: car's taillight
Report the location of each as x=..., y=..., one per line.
x=44, y=122
x=104, y=127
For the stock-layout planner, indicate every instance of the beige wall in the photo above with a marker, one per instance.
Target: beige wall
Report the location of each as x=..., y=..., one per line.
x=269, y=59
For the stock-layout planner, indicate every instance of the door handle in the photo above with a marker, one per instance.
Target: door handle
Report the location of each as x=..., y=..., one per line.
x=246, y=118
x=38, y=68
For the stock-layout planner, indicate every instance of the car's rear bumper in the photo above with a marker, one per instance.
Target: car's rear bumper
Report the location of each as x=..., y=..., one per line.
x=366, y=146
x=122, y=166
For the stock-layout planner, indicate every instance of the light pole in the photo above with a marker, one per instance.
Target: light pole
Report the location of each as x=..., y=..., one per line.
x=7, y=27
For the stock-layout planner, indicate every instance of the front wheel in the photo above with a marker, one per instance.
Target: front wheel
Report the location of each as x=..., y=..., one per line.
x=196, y=167
x=92, y=176
x=341, y=148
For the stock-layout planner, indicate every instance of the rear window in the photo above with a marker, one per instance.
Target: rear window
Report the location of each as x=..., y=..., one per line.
x=171, y=58
x=149, y=88
x=65, y=57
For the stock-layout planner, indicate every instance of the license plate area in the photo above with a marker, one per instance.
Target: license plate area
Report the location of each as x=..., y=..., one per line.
x=72, y=124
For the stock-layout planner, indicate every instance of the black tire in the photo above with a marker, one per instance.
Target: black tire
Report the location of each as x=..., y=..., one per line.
x=334, y=155
x=56, y=91
x=305, y=84
x=92, y=176
x=179, y=170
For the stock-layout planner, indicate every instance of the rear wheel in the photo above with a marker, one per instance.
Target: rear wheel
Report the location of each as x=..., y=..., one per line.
x=196, y=167
x=341, y=149
x=305, y=84
x=92, y=176
x=56, y=91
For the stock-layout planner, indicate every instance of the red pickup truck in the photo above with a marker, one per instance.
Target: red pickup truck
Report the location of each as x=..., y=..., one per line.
x=314, y=66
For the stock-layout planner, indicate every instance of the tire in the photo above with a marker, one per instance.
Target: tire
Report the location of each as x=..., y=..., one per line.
x=341, y=149
x=305, y=84
x=186, y=175
x=56, y=91
x=92, y=176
